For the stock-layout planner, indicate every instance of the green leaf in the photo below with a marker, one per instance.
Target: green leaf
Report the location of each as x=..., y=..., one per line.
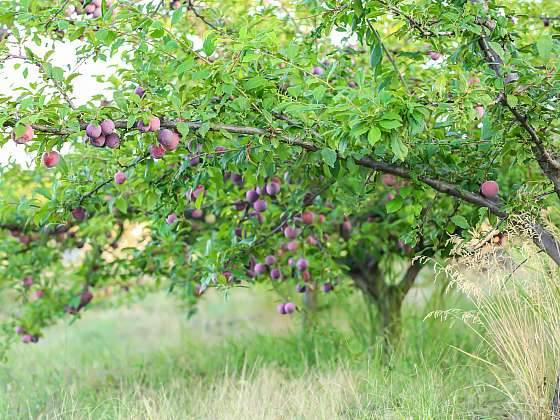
x=331, y=71
x=121, y=204
x=198, y=201
x=19, y=130
x=101, y=35
x=209, y=44
x=405, y=192
x=58, y=74
x=295, y=107
x=176, y=17
x=183, y=128
x=376, y=55
x=544, y=47
x=329, y=156
x=498, y=49
x=256, y=82
x=394, y=205
x=201, y=74
x=512, y=100
x=151, y=200
x=374, y=135
x=120, y=100
x=358, y=8
x=460, y=221
x=399, y=148
x=388, y=125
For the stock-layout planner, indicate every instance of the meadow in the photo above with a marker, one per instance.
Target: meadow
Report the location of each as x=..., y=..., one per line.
x=237, y=359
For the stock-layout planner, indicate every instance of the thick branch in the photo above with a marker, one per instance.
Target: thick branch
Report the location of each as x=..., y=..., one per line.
x=368, y=279
x=390, y=168
x=551, y=248
x=410, y=276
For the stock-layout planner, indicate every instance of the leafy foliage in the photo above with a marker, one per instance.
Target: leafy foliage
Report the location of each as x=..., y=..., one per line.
x=439, y=96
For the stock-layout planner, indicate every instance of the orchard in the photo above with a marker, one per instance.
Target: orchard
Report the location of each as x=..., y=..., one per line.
x=316, y=147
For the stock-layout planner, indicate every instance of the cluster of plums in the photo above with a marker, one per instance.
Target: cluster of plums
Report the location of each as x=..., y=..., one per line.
x=27, y=282
x=89, y=7
x=26, y=338
x=255, y=200
x=24, y=238
x=85, y=298
x=286, y=308
x=103, y=135
x=256, y=197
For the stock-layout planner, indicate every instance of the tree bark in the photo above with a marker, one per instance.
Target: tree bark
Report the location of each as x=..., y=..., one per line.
x=388, y=299
x=391, y=316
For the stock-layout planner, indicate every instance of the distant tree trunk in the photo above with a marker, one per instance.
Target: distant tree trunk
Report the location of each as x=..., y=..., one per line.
x=310, y=307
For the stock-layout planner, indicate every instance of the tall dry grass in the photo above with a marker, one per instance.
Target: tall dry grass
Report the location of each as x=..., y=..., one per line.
x=515, y=290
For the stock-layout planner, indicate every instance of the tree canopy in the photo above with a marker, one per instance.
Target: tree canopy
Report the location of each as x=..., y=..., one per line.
x=304, y=144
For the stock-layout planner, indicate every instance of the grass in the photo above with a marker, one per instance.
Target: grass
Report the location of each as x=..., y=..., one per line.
x=516, y=298
x=240, y=360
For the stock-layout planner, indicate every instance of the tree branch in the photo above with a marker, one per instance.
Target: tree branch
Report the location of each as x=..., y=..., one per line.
x=548, y=164
x=544, y=239
x=410, y=275
x=367, y=279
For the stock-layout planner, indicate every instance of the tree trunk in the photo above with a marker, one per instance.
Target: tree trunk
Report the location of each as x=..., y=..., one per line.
x=388, y=299
x=390, y=315
x=310, y=306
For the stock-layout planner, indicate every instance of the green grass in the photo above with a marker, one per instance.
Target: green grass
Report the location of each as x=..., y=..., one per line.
x=240, y=360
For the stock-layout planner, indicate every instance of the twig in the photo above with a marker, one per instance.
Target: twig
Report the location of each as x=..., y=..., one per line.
x=98, y=187
x=389, y=56
x=41, y=67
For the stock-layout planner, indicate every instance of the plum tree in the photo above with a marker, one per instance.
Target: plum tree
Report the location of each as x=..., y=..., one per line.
x=281, y=136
